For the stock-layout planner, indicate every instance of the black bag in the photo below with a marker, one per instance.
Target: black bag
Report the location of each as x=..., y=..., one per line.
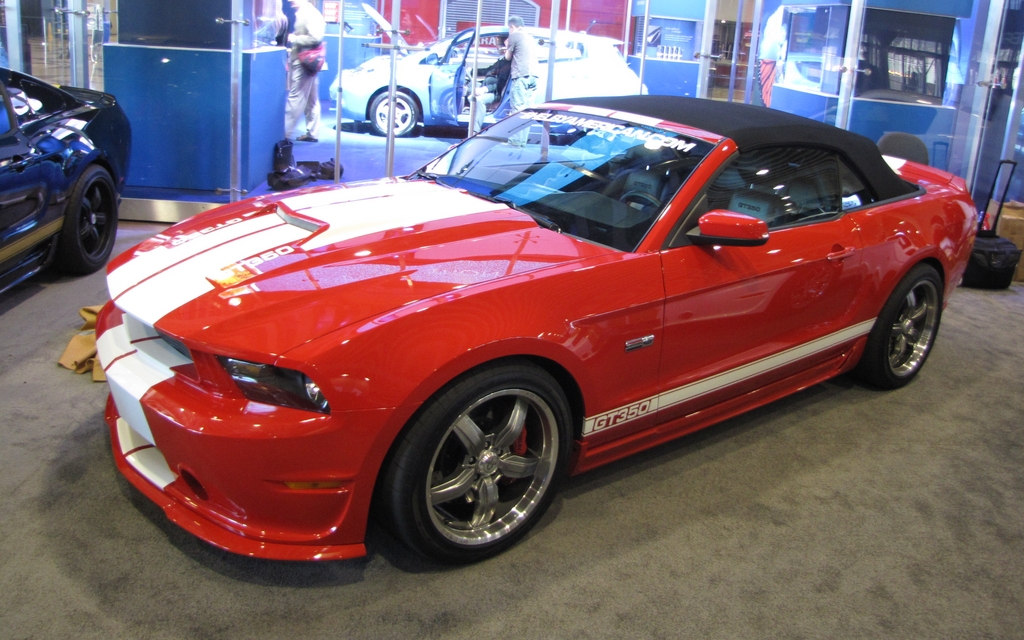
x=290, y=178
x=312, y=167
x=993, y=259
x=283, y=158
x=320, y=170
x=326, y=170
x=993, y=262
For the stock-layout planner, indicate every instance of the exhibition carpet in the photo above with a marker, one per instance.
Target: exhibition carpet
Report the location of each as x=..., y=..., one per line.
x=839, y=512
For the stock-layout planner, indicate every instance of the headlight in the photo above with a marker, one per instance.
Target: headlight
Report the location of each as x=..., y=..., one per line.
x=276, y=385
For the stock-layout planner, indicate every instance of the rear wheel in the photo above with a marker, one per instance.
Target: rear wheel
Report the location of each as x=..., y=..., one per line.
x=480, y=465
x=905, y=330
x=407, y=114
x=90, y=223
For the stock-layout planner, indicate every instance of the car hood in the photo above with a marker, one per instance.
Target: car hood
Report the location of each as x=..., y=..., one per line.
x=265, y=276
x=382, y=64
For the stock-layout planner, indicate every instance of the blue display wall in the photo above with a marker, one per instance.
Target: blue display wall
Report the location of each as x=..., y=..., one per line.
x=673, y=37
x=179, y=104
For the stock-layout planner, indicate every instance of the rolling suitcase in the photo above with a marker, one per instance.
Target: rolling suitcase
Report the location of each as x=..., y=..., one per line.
x=993, y=259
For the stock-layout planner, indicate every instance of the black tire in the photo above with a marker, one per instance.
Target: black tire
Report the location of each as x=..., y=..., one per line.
x=407, y=114
x=905, y=330
x=480, y=465
x=90, y=223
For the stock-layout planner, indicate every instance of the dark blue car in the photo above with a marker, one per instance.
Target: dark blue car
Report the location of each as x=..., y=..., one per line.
x=63, y=161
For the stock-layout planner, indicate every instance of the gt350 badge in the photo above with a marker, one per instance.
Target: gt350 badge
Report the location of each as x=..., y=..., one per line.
x=243, y=270
x=620, y=416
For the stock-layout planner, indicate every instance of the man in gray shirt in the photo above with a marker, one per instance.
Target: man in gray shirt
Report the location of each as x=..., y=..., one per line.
x=519, y=50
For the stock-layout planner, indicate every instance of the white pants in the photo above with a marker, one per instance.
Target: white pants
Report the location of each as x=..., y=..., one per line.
x=481, y=109
x=303, y=99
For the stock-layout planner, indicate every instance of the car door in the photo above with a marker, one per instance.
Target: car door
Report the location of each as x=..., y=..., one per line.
x=448, y=80
x=739, y=318
x=23, y=189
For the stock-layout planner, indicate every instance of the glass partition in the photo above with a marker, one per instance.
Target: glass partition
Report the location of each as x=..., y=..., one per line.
x=729, y=64
x=904, y=59
x=813, y=50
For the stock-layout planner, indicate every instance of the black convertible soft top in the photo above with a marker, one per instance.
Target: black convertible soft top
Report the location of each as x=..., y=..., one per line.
x=751, y=126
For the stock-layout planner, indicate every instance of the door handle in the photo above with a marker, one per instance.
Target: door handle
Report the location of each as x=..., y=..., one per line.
x=841, y=254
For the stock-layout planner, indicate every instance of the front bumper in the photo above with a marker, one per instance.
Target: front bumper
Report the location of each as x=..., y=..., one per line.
x=218, y=465
x=208, y=524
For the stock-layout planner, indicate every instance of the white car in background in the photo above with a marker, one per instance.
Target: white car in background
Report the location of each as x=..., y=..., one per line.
x=430, y=83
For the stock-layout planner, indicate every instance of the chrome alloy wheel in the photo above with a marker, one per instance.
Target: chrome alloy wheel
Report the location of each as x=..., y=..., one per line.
x=913, y=331
x=492, y=467
x=406, y=114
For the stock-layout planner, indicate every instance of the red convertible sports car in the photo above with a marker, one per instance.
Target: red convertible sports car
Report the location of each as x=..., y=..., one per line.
x=579, y=282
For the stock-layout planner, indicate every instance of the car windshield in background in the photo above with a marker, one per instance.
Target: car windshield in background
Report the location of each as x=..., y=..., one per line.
x=600, y=179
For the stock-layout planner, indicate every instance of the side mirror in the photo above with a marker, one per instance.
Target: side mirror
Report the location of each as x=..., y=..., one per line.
x=729, y=229
x=431, y=59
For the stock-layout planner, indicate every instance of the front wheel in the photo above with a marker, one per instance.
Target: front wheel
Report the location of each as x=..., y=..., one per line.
x=407, y=114
x=905, y=330
x=480, y=465
x=90, y=223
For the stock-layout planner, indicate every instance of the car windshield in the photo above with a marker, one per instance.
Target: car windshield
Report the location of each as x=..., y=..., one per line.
x=600, y=179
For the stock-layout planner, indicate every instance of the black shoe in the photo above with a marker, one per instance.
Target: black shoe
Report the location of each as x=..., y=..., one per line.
x=306, y=138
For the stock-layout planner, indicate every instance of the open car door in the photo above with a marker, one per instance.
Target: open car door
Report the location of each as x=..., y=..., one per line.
x=448, y=83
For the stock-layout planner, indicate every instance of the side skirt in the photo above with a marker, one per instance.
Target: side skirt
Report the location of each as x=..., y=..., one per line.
x=590, y=457
x=31, y=264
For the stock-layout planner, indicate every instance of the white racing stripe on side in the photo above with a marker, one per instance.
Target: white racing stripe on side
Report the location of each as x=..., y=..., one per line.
x=184, y=282
x=777, y=361
x=631, y=412
x=148, y=264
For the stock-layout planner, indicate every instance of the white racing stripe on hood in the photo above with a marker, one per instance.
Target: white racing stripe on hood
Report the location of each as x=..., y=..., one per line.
x=153, y=262
x=186, y=281
x=304, y=202
x=406, y=208
x=162, y=280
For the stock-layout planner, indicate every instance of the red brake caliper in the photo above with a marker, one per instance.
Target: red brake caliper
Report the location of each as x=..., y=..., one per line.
x=519, y=446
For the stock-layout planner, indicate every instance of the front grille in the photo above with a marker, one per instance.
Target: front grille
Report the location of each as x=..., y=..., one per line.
x=177, y=345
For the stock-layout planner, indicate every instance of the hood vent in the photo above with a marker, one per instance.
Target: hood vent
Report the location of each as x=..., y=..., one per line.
x=297, y=220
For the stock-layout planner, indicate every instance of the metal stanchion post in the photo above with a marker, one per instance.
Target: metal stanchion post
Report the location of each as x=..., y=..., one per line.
x=337, y=106
x=237, y=21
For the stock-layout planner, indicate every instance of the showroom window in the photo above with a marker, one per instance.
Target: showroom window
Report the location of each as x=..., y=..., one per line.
x=461, y=14
x=906, y=55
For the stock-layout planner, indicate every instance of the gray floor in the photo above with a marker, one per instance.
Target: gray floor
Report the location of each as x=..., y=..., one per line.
x=839, y=512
